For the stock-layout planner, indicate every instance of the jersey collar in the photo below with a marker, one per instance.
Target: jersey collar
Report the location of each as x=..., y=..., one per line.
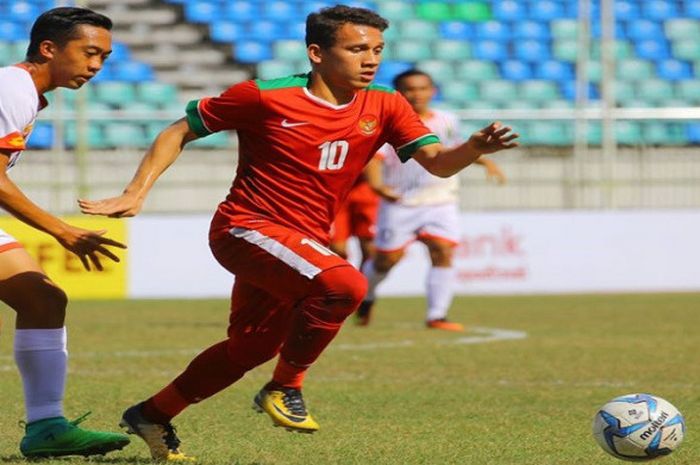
x=325, y=103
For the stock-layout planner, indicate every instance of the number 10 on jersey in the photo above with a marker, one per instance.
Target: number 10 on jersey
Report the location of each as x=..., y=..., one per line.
x=333, y=155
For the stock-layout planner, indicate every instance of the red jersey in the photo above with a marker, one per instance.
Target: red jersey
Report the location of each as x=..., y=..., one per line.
x=299, y=155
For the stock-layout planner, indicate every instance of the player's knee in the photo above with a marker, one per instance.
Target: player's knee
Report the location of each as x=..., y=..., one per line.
x=340, y=289
x=383, y=263
x=51, y=298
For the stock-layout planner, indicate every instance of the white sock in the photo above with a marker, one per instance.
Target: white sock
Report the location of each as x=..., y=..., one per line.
x=440, y=291
x=42, y=360
x=374, y=277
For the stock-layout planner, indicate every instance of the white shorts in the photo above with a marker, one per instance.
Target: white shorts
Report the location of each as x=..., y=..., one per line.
x=8, y=242
x=399, y=225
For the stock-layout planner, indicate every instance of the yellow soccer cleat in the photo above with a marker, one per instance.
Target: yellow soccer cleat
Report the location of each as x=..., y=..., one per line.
x=161, y=438
x=286, y=408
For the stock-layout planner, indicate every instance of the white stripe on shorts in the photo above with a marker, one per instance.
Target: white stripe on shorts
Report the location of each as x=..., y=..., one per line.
x=278, y=250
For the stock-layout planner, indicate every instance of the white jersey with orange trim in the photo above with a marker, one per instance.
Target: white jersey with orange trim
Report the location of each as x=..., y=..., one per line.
x=19, y=106
x=410, y=180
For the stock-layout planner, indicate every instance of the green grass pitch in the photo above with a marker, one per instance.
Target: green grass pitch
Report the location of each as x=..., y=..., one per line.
x=394, y=392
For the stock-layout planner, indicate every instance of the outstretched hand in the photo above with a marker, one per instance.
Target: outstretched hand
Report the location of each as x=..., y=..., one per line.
x=116, y=207
x=87, y=244
x=493, y=138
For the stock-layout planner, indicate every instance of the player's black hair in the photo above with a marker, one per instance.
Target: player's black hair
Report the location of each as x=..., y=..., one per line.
x=321, y=27
x=60, y=25
x=398, y=79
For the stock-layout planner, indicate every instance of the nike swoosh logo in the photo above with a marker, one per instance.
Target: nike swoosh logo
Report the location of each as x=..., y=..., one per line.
x=289, y=417
x=287, y=124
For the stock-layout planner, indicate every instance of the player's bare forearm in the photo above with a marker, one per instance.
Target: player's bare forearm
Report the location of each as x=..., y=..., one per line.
x=446, y=162
x=493, y=171
x=375, y=180
x=162, y=153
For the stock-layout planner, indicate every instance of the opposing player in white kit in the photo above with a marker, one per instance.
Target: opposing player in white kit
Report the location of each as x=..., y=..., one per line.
x=68, y=46
x=417, y=205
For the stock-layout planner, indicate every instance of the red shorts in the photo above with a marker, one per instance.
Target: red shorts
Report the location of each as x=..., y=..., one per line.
x=274, y=268
x=358, y=215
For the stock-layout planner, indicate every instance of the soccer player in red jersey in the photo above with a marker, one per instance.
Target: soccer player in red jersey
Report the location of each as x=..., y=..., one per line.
x=303, y=142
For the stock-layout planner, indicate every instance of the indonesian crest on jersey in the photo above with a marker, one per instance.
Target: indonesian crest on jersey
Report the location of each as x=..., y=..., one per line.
x=368, y=124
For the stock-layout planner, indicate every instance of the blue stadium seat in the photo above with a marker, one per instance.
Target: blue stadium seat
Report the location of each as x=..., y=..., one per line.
x=120, y=52
x=107, y=72
x=692, y=9
x=308, y=7
x=597, y=31
x=12, y=31
x=42, y=136
x=643, y=29
x=280, y=11
x=133, y=71
x=568, y=88
x=266, y=31
x=528, y=29
x=532, y=50
x=457, y=30
x=227, y=31
x=390, y=68
x=296, y=30
x=490, y=50
x=23, y=11
x=241, y=11
x=554, y=70
x=515, y=70
x=674, y=70
x=509, y=10
x=693, y=133
x=653, y=49
x=572, y=9
x=546, y=10
x=202, y=11
x=626, y=10
x=252, y=51
x=493, y=30
x=660, y=9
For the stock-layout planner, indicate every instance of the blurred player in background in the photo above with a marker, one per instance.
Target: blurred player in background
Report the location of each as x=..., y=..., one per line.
x=417, y=205
x=304, y=141
x=357, y=217
x=68, y=47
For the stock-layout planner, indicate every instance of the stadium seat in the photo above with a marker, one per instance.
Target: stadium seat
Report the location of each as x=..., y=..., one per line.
x=691, y=9
x=622, y=49
x=120, y=52
x=509, y=10
x=689, y=90
x=454, y=50
x=6, y=53
x=634, y=69
x=538, y=90
x=516, y=70
x=528, y=29
x=546, y=10
x=674, y=70
x=628, y=132
x=296, y=30
x=459, y=91
x=568, y=90
x=22, y=11
x=389, y=68
x=241, y=11
x=472, y=11
x=202, y=11
x=124, y=134
x=396, y=10
x=553, y=133
x=655, y=90
x=252, y=51
x=93, y=134
x=12, y=31
x=497, y=90
x=312, y=6
x=686, y=49
x=418, y=29
x=476, y=70
x=594, y=71
x=132, y=71
x=532, y=50
x=289, y=50
x=266, y=31
x=658, y=133
x=660, y=9
x=117, y=93
x=643, y=29
x=493, y=30
x=597, y=31
x=456, y=30
x=441, y=71
x=554, y=70
x=412, y=50
x=693, y=133
x=624, y=93
x=682, y=29
x=565, y=49
x=491, y=50
x=564, y=29
x=652, y=49
x=227, y=31
x=42, y=136
x=626, y=10
x=557, y=103
x=433, y=11
x=158, y=93
x=279, y=11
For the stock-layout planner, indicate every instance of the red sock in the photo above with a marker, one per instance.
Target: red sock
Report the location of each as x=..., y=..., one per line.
x=288, y=375
x=164, y=406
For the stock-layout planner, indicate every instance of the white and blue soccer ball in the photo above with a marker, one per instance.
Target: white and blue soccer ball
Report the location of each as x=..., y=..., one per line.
x=638, y=427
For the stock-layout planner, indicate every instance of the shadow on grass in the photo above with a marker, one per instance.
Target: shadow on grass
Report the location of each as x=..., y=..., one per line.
x=16, y=458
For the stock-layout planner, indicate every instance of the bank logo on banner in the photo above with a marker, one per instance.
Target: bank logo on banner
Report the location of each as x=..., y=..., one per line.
x=65, y=268
x=492, y=255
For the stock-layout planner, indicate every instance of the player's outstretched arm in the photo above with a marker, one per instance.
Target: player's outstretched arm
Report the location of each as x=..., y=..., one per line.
x=162, y=153
x=373, y=173
x=445, y=162
x=87, y=245
x=493, y=171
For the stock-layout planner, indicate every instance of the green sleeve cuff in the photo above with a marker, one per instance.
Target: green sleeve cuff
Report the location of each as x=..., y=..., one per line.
x=194, y=119
x=406, y=151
